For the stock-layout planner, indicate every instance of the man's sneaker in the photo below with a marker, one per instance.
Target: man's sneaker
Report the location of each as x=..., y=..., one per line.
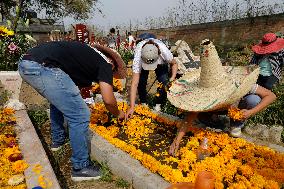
x=56, y=147
x=157, y=107
x=92, y=172
x=236, y=132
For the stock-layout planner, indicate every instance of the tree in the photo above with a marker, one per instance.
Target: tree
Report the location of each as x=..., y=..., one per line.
x=78, y=9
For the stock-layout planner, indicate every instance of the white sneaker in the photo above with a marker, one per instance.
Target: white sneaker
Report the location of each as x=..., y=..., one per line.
x=236, y=132
x=157, y=107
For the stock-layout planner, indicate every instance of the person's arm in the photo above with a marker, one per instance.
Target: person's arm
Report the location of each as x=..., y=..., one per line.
x=109, y=99
x=168, y=57
x=133, y=91
x=174, y=68
x=267, y=97
x=183, y=129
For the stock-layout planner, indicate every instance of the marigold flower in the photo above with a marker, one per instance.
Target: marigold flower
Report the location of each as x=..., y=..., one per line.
x=19, y=166
x=235, y=163
x=235, y=114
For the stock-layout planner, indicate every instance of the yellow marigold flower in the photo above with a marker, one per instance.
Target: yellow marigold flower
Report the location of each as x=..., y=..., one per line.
x=10, y=33
x=19, y=166
x=44, y=182
x=10, y=151
x=235, y=114
x=37, y=169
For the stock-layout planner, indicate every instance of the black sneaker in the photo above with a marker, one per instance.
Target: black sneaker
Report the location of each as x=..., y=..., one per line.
x=92, y=172
x=56, y=147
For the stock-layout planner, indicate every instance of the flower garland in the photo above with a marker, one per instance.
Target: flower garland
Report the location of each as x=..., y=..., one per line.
x=234, y=162
x=11, y=160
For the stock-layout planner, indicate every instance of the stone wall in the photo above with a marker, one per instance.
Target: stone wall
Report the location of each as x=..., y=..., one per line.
x=39, y=30
x=227, y=33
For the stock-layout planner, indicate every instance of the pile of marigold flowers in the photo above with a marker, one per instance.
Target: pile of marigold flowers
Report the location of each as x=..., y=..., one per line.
x=234, y=162
x=235, y=113
x=117, y=86
x=11, y=160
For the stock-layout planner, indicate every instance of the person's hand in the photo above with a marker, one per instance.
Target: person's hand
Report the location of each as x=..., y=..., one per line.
x=129, y=113
x=121, y=114
x=174, y=147
x=246, y=113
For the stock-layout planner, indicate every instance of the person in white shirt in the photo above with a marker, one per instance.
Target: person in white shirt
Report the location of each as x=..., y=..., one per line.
x=150, y=54
x=131, y=41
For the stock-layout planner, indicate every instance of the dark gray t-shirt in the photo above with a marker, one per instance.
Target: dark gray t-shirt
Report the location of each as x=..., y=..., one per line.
x=82, y=63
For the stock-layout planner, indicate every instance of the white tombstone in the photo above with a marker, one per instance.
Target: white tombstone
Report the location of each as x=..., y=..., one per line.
x=12, y=82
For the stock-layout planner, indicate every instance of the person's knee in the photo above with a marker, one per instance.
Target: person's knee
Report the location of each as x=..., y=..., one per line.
x=252, y=101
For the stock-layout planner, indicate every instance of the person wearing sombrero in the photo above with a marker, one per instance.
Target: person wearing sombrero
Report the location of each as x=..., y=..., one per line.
x=57, y=70
x=215, y=88
x=269, y=56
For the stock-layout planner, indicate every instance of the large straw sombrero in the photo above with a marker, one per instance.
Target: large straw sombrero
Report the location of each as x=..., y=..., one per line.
x=213, y=86
x=120, y=72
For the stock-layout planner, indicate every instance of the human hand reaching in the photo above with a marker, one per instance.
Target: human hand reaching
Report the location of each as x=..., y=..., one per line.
x=246, y=113
x=121, y=114
x=129, y=113
x=174, y=147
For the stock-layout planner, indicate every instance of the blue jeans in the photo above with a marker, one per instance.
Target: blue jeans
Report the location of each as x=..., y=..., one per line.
x=162, y=75
x=267, y=81
x=248, y=102
x=65, y=102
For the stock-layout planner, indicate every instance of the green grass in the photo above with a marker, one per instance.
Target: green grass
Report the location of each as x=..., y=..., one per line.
x=121, y=183
x=38, y=117
x=106, y=173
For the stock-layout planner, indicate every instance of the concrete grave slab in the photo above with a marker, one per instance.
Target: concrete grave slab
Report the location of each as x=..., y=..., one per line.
x=33, y=153
x=12, y=82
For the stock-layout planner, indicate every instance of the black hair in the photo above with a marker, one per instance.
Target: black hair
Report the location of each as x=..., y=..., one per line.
x=112, y=30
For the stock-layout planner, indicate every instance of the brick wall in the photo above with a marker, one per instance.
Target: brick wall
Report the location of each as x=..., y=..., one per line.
x=227, y=33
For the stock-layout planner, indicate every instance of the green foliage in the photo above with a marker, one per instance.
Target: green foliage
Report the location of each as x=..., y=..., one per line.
x=79, y=9
x=12, y=46
x=126, y=55
x=38, y=117
x=279, y=34
x=236, y=56
x=274, y=114
x=121, y=183
x=106, y=173
x=4, y=96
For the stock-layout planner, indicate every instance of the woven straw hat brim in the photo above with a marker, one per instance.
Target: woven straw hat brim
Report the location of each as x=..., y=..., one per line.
x=120, y=73
x=247, y=77
x=186, y=93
